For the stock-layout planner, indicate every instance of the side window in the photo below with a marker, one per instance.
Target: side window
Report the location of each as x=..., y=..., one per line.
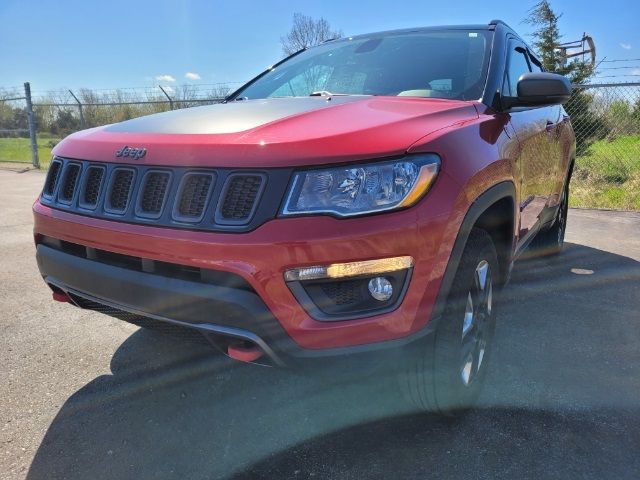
x=517, y=64
x=535, y=66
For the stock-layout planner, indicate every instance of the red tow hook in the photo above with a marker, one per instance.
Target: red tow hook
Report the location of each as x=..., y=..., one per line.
x=244, y=352
x=61, y=297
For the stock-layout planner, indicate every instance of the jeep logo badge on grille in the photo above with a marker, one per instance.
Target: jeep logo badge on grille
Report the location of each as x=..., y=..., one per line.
x=132, y=152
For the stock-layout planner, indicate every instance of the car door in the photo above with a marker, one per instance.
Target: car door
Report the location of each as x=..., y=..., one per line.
x=553, y=176
x=535, y=131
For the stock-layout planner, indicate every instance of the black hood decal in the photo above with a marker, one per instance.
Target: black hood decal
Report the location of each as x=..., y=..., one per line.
x=229, y=117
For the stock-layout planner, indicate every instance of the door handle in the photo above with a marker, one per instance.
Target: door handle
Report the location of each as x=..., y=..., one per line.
x=550, y=126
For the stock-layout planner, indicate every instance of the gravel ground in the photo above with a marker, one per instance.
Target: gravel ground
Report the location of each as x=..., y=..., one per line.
x=84, y=396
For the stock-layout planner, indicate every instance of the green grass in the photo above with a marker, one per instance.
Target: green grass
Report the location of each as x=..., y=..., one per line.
x=19, y=149
x=608, y=175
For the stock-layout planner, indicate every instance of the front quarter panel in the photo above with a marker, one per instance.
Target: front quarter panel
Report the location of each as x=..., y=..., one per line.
x=476, y=155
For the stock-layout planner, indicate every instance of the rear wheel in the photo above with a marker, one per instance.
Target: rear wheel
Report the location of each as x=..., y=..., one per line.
x=446, y=375
x=550, y=242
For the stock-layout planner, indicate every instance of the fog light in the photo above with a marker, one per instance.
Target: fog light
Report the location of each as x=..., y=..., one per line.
x=380, y=288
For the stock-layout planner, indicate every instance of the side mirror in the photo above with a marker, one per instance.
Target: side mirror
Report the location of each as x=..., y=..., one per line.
x=543, y=88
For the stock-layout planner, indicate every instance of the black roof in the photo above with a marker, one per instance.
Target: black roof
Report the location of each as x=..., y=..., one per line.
x=501, y=22
x=483, y=26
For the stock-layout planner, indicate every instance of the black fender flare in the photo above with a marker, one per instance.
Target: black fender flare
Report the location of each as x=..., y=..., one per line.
x=480, y=205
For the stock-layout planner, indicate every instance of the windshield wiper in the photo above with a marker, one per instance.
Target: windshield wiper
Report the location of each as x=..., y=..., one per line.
x=325, y=93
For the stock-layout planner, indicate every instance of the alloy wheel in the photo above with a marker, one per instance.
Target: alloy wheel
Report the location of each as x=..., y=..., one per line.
x=475, y=323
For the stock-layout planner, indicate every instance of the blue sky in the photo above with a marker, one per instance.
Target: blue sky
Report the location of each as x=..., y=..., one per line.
x=108, y=44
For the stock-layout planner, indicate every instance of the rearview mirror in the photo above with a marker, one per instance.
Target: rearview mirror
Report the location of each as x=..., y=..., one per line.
x=538, y=89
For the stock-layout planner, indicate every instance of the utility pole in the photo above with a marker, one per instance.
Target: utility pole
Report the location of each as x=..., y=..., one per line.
x=79, y=109
x=168, y=97
x=32, y=126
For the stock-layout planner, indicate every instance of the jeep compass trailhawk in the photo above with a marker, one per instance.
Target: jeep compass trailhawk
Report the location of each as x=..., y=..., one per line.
x=368, y=193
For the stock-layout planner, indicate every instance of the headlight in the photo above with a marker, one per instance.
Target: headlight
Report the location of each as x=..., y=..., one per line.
x=360, y=189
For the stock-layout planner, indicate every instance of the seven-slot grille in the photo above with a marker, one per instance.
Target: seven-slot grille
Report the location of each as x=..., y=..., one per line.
x=154, y=193
x=193, y=196
x=69, y=182
x=92, y=186
x=52, y=178
x=240, y=196
x=208, y=199
x=120, y=190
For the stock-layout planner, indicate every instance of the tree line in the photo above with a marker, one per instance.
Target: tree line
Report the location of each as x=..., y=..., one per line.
x=58, y=114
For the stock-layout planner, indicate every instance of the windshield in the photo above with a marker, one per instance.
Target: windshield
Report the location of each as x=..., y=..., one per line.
x=434, y=64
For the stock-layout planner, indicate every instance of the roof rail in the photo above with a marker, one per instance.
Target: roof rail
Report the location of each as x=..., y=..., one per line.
x=498, y=21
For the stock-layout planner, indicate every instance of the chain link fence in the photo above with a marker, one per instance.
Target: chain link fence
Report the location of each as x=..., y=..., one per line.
x=31, y=125
x=18, y=126
x=606, y=121
x=65, y=111
x=605, y=117
x=606, y=112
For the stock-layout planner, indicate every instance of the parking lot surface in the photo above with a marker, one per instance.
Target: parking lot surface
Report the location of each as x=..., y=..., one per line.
x=85, y=396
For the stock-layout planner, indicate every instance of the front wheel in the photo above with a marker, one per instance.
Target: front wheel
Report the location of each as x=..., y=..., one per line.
x=446, y=375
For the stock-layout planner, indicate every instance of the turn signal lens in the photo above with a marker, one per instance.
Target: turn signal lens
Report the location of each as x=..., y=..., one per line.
x=352, y=269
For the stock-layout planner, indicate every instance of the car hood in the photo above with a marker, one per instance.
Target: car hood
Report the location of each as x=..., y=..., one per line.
x=276, y=132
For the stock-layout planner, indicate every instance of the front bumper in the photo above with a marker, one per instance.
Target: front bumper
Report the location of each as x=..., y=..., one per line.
x=211, y=309
x=261, y=257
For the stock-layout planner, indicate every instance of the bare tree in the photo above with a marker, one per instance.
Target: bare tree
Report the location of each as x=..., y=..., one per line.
x=307, y=32
x=220, y=91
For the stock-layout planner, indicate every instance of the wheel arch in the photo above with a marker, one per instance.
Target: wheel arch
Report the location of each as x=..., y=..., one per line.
x=494, y=211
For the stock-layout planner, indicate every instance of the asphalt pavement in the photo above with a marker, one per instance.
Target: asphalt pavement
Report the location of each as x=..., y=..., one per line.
x=85, y=396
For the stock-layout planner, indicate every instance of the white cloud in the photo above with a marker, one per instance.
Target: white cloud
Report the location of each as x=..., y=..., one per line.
x=635, y=71
x=626, y=46
x=165, y=78
x=192, y=76
x=168, y=89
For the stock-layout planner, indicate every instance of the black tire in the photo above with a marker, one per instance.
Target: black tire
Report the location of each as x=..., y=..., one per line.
x=550, y=242
x=436, y=378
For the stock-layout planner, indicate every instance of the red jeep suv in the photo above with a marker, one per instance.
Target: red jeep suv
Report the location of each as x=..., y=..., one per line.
x=368, y=193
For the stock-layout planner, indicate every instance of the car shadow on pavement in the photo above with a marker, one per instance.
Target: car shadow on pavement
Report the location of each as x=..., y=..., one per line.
x=561, y=401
